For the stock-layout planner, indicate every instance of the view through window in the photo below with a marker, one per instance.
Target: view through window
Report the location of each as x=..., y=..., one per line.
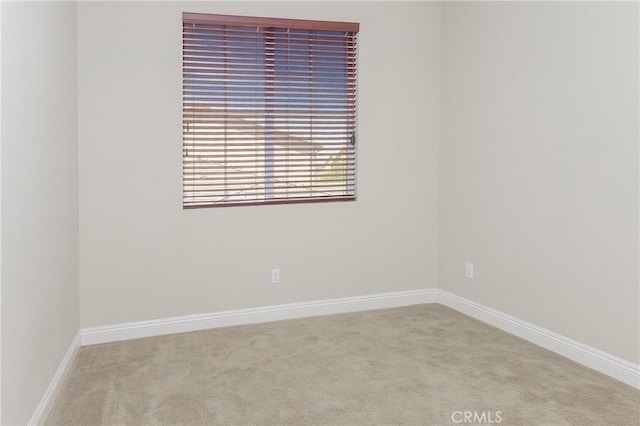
x=269, y=110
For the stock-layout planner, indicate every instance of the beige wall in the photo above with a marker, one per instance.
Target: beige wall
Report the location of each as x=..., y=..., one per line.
x=39, y=200
x=143, y=257
x=538, y=179
x=539, y=165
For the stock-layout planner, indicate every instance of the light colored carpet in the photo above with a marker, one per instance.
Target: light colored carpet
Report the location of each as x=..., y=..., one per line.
x=413, y=365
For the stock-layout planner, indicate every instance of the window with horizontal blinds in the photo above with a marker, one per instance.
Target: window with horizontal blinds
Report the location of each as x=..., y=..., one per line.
x=269, y=110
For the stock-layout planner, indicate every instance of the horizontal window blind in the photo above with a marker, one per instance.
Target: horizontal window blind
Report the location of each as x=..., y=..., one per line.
x=269, y=110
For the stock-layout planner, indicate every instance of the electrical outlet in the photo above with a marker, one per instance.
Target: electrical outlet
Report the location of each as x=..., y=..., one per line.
x=468, y=270
x=275, y=276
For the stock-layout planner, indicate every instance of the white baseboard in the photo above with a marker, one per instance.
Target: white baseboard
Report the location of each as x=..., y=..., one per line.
x=588, y=356
x=46, y=403
x=181, y=324
x=598, y=360
x=603, y=362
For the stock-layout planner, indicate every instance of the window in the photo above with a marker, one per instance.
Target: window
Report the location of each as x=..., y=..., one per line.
x=269, y=110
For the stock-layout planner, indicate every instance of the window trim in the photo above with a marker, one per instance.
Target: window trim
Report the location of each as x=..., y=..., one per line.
x=250, y=21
